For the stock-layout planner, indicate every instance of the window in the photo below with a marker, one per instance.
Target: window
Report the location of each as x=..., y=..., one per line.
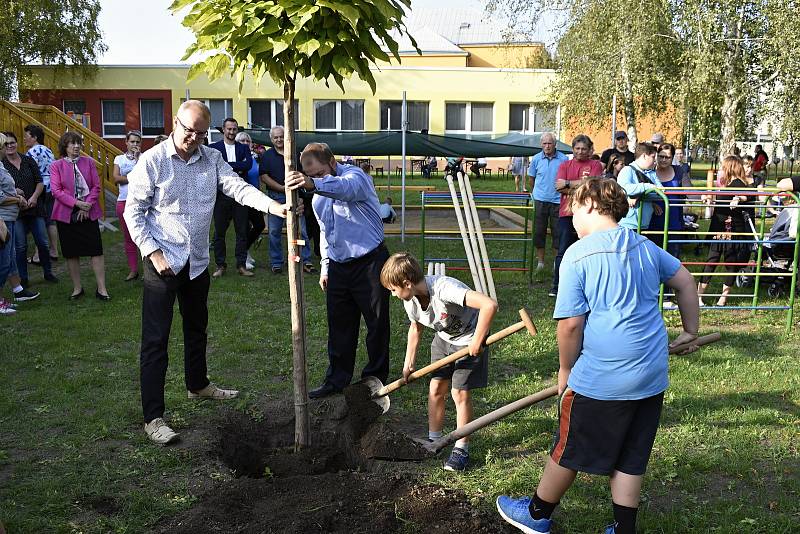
x=338, y=114
x=533, y=118
x=113, y=118
x=264, y=114
x=152, y=116
x=221, y=109
x=392, y=112
x=78, y=107
x=481, y=117
x=469, y=116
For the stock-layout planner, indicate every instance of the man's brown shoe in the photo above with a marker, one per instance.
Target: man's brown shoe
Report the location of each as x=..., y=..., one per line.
x=219, y=272
x=244, y=272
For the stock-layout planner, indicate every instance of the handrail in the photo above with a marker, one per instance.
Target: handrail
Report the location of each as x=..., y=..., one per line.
x=14, y=117
x=94, y=146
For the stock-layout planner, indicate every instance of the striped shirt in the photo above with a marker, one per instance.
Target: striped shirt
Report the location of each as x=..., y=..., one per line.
x=347, y=208
x=171, y=202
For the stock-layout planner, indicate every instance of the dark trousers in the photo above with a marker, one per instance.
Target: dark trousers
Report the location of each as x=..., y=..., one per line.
x=566, y=236
x=256, y=225
x=355, y=291
x=225, y=210
x=158, y=300
x=312, y=227
x=730, y=253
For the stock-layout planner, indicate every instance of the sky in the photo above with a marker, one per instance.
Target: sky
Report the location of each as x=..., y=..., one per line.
x=146, y=32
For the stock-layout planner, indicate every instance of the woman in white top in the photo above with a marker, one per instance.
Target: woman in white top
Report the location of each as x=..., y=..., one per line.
x=123, y=164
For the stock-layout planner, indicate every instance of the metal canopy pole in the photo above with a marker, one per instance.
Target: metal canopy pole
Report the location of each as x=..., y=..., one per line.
x=404, y=127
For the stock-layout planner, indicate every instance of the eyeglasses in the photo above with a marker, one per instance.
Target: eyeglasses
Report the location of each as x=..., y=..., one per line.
x=11, y=143
x=192, y=132
x=664, y=156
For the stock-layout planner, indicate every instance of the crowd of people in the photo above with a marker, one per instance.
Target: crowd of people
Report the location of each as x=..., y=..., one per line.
x=594, y=207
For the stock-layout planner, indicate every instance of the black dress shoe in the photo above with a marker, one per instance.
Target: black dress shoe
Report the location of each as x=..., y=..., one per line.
x=76, y=296
x=100, y=296
x=324, y=390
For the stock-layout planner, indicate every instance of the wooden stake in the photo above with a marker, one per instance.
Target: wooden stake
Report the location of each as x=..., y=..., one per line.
x=484, y=256
x=464, y=239
x=476, y=257
x=302, y=436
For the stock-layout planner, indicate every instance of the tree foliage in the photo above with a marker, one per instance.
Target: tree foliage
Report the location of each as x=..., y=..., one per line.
x=45, y=32
x=289, y=38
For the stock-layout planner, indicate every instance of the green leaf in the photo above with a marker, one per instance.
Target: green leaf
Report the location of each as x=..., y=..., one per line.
x=177, y=5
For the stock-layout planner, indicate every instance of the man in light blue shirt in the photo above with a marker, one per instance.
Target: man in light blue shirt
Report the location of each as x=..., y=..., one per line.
x=639, y=180
x=353, y=253
x=543, y=169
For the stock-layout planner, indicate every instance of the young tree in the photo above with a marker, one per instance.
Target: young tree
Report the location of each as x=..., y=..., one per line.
x=50, y=33
x=287, y=39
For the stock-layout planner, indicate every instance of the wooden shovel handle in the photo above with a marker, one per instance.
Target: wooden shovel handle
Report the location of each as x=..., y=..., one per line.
x=494, y=338
x=700, y=341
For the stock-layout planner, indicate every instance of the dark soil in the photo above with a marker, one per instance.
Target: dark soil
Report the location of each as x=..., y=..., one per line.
x=342, y=483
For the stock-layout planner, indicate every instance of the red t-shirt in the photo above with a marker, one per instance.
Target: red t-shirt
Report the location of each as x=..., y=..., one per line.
x=575, y=171
x=760, y=162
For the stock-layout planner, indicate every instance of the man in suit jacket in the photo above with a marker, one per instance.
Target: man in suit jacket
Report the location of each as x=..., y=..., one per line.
x=239, y=158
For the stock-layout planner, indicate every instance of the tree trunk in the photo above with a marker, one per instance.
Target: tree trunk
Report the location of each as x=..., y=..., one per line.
x=733, y=78
x=302, y=437
x=628, y=103
x=728, y=123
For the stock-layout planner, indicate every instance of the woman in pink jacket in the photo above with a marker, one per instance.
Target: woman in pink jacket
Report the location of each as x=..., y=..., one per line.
x=75, y=186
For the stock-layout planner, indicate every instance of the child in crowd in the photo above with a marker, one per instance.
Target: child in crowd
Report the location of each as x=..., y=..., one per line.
x=461, y=318
x=613, y=351
x=386, y=211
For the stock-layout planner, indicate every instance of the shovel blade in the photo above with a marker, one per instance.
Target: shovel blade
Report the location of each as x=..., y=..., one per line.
x=374, y=385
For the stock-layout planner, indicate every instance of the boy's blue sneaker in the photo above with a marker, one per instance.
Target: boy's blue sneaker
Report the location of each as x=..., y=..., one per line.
x=458, y=460
x=610, y=529
x=516, y=512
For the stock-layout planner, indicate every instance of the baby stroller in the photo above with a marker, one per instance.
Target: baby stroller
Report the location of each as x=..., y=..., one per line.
x=777, y=255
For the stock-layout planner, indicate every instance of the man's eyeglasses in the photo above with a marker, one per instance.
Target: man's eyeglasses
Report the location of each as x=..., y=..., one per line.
x=664, y=156
x=192, y=132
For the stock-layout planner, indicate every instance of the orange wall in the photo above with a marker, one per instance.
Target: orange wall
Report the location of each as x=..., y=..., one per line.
x=667, y=124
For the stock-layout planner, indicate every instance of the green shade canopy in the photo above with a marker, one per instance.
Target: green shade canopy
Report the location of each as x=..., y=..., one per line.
x=389, y=143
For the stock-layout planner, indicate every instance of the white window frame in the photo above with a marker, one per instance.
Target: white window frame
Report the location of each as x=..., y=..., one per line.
x=163, y=122
x=468, y=118
x=338, y=114
x=531, y=116
x=228, y=113
x=104, y=123
x=273, y=110
x=408, y=102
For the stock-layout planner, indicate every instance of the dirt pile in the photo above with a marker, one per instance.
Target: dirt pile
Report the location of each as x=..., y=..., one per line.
x=339, y=484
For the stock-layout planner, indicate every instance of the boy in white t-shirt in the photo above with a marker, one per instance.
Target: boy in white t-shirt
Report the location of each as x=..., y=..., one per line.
x=461, y=318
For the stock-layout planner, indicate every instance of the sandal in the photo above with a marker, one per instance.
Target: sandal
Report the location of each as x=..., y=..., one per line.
x=34, y=262
x=309, y=268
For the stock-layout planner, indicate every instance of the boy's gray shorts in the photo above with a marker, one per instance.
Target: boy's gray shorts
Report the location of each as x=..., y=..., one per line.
x=467, y=373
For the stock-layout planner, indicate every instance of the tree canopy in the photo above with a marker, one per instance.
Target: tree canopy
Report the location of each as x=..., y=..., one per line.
x=45, y=32
x=289, y=38
x=727, y=64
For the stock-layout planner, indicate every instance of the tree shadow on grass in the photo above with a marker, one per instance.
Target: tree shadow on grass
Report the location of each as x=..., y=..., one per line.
x=685, y=409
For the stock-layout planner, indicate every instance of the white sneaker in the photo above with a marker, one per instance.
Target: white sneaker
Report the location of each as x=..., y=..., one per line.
x=250, y=263
x=211, y=391
x=158, y=432
x=6, y=308
x=669, y=305
x=539, y=266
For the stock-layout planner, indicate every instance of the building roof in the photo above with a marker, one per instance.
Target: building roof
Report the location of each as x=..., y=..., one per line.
x=428, y=41
x=462, y=26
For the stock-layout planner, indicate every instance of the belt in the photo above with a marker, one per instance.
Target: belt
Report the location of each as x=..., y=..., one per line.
x=366, y=257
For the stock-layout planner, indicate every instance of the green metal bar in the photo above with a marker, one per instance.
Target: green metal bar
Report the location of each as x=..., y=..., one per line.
x=792, y=289
x=422, y=226
x=759, y=257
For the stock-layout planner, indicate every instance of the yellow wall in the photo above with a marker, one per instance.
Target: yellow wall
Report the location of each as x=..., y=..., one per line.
x=431, y=60
x=502, y=56
x=436, y=85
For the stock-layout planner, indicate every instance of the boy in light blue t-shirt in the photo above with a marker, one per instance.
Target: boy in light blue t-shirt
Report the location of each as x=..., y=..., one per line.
x=613, y=351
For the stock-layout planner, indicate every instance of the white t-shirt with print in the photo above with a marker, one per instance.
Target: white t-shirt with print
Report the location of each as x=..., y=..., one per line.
x=125, y=165
x=447, y=312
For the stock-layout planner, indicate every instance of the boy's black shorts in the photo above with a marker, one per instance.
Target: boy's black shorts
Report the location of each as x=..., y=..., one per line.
x=466, y=373
x=601, y=436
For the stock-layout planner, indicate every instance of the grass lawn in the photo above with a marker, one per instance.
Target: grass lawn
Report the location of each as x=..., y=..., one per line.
x=73, y=457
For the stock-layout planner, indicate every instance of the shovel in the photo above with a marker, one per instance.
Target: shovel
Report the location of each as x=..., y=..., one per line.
x=508, y=409
x=378, y=393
